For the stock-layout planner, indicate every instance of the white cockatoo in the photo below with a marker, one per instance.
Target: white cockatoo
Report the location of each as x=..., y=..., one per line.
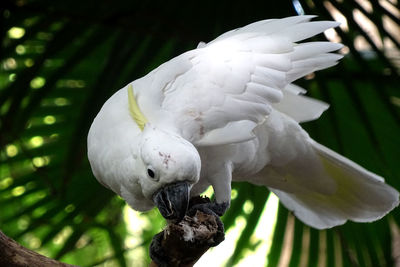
x=228, y=111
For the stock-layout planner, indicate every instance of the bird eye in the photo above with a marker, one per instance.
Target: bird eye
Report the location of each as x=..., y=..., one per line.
x=150, y=173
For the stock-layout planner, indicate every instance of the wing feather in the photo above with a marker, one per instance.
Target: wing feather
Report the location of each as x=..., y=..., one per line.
x=266, y=26
x=240, y=76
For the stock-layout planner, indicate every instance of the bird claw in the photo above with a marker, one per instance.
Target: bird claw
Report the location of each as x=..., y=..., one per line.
x=215, y=209
x=204, y=205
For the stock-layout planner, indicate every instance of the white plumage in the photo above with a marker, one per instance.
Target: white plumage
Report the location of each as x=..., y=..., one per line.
x=228, y=111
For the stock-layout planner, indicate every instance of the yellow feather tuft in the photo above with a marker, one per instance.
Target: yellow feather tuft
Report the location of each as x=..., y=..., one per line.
x=134, y=109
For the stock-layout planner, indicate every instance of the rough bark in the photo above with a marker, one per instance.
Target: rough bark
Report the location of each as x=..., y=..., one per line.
x=13, y=254
x=184, y=243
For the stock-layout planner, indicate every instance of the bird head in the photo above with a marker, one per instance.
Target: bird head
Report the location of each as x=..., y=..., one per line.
x=169, y=165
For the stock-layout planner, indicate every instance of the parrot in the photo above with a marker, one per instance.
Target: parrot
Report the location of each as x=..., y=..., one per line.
x=229, y=111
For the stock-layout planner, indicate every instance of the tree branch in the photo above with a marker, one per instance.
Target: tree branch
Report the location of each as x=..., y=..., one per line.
x=183, y=244
x=15, y=255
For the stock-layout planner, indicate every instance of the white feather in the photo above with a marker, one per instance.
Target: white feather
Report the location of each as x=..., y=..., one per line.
x=295, y=89
x=240, y=74
x=311, y=49
x=301, y=31
x=361, y=196
x=266, y=26
x=300, y=108
x=243, y=132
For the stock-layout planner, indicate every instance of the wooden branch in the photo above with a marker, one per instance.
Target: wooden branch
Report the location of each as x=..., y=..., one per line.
x=184, y=243
x=14, y=255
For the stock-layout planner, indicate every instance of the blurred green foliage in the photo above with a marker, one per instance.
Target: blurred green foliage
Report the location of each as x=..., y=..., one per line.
x=60, y=61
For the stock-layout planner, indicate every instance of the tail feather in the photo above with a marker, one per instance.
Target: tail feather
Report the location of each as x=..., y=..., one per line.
x=361, y=196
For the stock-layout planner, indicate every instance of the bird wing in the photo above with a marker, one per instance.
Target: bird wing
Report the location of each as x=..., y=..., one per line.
x=219, y=92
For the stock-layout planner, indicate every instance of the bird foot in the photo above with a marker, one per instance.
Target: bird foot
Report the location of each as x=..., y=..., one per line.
x=211, y=208
x=203, y=219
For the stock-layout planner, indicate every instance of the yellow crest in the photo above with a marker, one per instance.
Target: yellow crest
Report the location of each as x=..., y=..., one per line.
x=134, y=109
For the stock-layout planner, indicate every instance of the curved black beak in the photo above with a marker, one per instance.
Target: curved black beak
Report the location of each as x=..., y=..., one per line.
x=172, y=201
